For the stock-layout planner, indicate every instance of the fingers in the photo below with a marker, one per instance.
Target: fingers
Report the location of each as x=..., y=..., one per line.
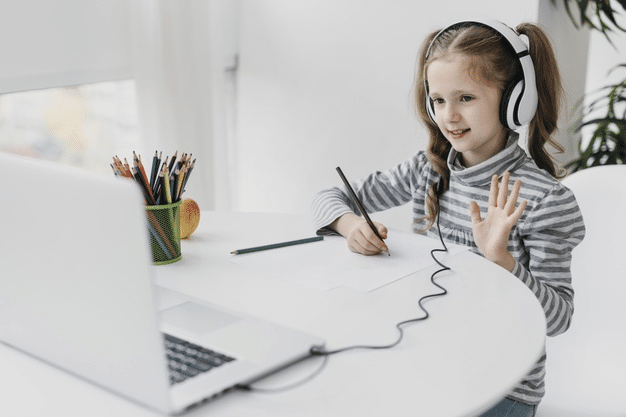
x=503, y=190
x=363, y=240
x=382, y=230
x=361, y=245
x=493, y=191
x=512, y=201
x=499, y=198
x=371, y=237
x=499, y=193
x=517, y=214
x=475, y=213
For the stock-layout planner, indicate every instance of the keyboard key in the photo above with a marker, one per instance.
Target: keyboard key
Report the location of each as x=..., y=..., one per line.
x=186, y=360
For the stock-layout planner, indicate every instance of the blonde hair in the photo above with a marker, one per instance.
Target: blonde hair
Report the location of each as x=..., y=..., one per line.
x=492, y=59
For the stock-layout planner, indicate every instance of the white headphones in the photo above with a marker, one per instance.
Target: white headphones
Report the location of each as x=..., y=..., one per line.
x=519, y=98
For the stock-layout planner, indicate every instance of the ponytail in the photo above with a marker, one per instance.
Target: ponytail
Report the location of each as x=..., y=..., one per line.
x=550, y=91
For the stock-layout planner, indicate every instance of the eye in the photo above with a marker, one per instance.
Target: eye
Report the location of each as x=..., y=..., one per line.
x=438, y=100
x=467, y=98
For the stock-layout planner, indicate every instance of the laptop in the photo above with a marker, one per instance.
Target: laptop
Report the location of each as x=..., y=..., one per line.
x=77, y=293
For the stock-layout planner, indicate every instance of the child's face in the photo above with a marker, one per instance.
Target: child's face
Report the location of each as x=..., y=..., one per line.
x=466, y=111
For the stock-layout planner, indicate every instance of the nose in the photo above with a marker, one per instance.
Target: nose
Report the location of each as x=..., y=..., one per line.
x=450, y=113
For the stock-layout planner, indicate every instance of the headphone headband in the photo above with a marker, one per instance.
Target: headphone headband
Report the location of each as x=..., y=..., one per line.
x=519, y=99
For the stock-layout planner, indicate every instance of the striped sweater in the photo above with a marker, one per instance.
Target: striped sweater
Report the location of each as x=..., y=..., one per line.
x=541, y=242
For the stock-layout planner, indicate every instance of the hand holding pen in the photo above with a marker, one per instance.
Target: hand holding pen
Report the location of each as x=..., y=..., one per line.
x=364, y=237
x=359, y=235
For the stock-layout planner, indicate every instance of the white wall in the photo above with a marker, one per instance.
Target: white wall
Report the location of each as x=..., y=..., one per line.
x=328, y=83
x=571, y=49
x=603, y=57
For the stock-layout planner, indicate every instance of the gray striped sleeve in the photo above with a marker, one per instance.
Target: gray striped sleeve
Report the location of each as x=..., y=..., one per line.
x=378, y=191
x=551, y=230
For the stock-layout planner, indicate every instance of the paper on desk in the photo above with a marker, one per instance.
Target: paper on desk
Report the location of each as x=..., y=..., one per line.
x=329, y=263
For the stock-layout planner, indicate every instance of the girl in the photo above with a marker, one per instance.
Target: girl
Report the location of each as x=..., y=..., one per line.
x=476, y=83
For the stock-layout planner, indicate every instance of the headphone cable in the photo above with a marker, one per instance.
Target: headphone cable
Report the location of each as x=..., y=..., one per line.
x=319, y=351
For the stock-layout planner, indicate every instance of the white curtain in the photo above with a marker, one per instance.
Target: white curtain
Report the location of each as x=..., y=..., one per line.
x=63, y=42
x=180, y=49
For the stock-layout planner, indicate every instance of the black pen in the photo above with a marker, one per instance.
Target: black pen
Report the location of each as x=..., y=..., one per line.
x=360, y=206
x=277, y=245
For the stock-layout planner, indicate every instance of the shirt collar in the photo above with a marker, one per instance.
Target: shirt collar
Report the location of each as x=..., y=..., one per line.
x=506, y=160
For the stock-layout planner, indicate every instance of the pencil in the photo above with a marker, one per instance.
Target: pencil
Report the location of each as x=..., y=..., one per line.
x=144, y=178
x=181, y=179
x=191, y=165
x=360, y=205
x=139, y=178
x=182, y=160
x=165, y=182
x=158, y=189
x=277, y=245
x=175, y=184
x=166, y=186
x=159, y=230
x=124, y=172
x=127, y=168
x=116, y=171
x=172, y=162
x=154, y=170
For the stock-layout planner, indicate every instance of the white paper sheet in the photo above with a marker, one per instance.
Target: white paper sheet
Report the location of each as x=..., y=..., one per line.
x=329, y=263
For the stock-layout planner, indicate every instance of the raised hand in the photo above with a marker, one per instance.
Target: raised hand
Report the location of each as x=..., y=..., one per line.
x=492, y=234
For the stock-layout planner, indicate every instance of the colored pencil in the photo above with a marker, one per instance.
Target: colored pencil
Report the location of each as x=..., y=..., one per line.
x=191, y=165
x=166, y=187
x=154, y=170
x=277, y=245
x=144, y=186
x=172, y=162
x=144, y=178
x=166, y=181
x=159, y=230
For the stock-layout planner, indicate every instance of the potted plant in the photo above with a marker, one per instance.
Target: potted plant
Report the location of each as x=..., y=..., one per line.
x=607, y=144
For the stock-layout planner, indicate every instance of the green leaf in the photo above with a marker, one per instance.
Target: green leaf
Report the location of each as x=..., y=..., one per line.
x=569, y=13
x=619, y=122
x=582, y=5
x=605, y=7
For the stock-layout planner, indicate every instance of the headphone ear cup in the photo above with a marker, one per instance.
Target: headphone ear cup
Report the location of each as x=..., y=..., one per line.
x=430, y=109
x=509, y=103
x=430, y=106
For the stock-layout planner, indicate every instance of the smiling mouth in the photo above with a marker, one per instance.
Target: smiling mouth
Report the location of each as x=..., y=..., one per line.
x=458, y=133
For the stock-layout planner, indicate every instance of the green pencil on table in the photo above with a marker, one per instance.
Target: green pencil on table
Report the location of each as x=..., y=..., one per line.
x=277, y=245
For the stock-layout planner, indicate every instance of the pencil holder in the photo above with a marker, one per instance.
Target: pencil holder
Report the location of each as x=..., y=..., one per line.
x=164, y=230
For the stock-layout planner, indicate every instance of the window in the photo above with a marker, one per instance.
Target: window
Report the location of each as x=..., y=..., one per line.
x=81, y=125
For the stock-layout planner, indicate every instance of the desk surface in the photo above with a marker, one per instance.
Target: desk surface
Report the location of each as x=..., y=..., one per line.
x=480, y=339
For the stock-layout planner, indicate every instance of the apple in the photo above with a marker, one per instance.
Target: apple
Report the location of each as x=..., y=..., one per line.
x=189, y=217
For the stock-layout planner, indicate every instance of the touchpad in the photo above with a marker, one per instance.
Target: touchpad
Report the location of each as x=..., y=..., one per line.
x=197, y=318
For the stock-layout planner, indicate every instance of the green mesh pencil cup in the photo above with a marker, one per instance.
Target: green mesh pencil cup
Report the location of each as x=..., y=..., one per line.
x=164, y=229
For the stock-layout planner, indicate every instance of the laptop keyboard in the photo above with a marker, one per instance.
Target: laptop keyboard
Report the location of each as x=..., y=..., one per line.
x=186, y=360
